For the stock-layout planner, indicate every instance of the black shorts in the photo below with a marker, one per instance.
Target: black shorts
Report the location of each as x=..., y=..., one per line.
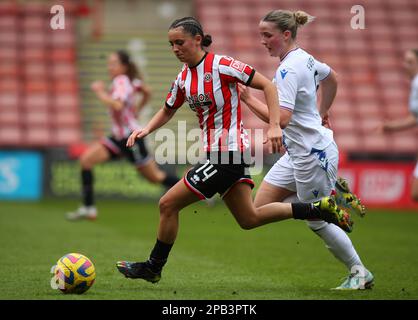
x=138, y=154
x=216, y=177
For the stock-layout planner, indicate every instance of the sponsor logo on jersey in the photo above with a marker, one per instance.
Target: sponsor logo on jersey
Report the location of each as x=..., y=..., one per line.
x=283, y=73
x=238, y=65
x=199, y=101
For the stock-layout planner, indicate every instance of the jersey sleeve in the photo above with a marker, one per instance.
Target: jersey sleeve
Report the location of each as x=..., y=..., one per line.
x=121, y=88
x=175, y=97
x=287, y=86
x=323, y=70
x=233, y=70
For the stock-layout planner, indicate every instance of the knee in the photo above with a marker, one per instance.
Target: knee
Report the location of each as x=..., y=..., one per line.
x=85, y=162
x=249, y=222
x=247, y=225
x=167, y=206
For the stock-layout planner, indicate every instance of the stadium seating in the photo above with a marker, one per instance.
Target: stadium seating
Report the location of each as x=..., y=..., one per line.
x=39, y=105
x=372, y=83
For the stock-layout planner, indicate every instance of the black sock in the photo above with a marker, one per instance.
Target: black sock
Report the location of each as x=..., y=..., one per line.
x=87, y=191
x=159, y=255
x=304, y=211
x=170, y=180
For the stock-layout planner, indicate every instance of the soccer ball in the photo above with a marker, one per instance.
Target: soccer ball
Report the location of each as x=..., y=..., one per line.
x=73, y=273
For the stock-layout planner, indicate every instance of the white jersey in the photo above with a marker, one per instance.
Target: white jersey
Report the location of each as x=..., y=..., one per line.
x=124, y=121
x=297, y=80
x=413, y=97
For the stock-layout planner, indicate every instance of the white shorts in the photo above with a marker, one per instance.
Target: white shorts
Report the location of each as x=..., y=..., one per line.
x=311, y=177
x=416, y=171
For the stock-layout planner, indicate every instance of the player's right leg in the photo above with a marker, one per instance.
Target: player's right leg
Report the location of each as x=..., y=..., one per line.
x=177, y=198
x=96, y=153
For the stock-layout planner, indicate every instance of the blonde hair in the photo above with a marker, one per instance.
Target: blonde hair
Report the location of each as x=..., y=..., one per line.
x=288, y=20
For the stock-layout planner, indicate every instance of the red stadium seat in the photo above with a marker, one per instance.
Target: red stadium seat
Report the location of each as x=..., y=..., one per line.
x=8, y=38
x=62, y=55
x=9, y=99
x=8, y=23
x=9, y=116
x=34, y=38
x=66, y=136
x=63, y=70
x=66, y=119
x=31, y=54
x=406, y=142
x=8, y=8
x=31, y=23
x=36, y=118
x=347, y=142
x=10, y=135
x=65, y=102
x=38, y=101
x=38, y=136
x=35, y=86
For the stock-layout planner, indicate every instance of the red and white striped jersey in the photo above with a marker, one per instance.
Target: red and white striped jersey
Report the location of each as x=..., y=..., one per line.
x=124, y=121
x=211, y=89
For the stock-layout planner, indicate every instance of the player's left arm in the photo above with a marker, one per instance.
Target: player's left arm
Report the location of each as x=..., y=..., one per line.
x=99, y=89
x=328, y=92
x=146, y=96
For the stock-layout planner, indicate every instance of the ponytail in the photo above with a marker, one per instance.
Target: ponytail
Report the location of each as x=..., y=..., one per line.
x=132, y=70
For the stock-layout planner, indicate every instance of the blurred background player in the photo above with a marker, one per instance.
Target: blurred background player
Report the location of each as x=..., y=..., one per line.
x=411, y=68
x=309, y=166
x=209, y=82
x=123, y=109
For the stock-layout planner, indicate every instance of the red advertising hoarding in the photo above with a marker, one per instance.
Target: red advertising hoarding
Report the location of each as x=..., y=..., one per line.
x=381, y=185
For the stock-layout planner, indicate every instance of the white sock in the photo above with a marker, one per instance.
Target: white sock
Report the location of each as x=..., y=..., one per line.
x=337, y=241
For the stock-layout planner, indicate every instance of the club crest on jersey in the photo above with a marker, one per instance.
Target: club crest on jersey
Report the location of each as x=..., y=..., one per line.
x=199, y=101
x=207, y=77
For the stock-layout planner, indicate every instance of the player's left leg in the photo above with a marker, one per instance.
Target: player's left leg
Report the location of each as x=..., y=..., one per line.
x=320, y=182
x=177, y=198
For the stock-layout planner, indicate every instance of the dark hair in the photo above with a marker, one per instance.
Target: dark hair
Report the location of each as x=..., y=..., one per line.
x=132, y=70
x=415, y=51
x=193, y=27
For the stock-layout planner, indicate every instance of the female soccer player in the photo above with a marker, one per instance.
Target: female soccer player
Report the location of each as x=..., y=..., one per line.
x=411, y=67
x=309, y=167
x=209, y=84
x=121, y=102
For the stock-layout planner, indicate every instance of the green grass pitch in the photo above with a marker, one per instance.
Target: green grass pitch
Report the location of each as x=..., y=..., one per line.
x=211, y=259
